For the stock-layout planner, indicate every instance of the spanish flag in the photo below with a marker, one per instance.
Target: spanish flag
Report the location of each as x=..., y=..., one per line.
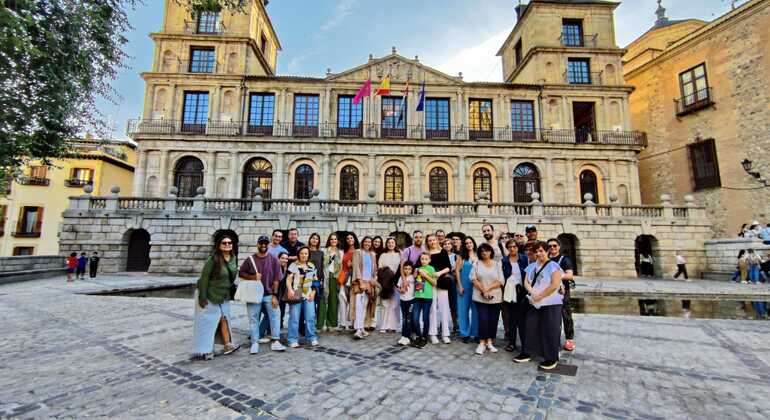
x=384, y=88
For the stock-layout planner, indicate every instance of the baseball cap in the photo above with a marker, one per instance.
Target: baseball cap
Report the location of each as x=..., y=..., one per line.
x=530, y=228
x=263, y=239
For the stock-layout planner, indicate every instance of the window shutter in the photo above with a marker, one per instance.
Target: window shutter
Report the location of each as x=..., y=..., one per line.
x=3, y=211
x=20, y=222
x=39, y=223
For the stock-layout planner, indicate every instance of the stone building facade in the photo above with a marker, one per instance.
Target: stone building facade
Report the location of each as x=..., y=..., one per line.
x=702, y=95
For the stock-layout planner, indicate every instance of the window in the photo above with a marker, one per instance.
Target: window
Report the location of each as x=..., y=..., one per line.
x=263, y=44
x=517, y=51
x=694, y=88
x=705, y=167
x=394, y=184
x=202, y=60
x=588, y=185
x=208, y=22
x=578, y=71
x=480, y=119
x=526, y=180
x=257, y=173
x=305, y=115
x=572, y=32
x=394, y=116
x=3, y=212
x=350, y=117
x=482, y=183
x=437, y=118
x=261, y=108
x=196, y=112
x=30, y=222
x=349, y=183
x=188, y=176
x=303, y=182
x=80, y=177
x=522, y=120
x=438, y=184
x=20, y=251
x=38, y=175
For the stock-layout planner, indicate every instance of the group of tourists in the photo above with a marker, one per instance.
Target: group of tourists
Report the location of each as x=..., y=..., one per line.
x=755, y=231
x=439, y=287
x=76, y=266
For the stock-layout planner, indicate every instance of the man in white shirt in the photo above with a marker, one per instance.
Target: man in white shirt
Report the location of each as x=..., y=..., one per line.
x=681, y=268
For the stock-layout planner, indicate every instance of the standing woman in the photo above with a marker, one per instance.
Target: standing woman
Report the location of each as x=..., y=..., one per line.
x=378, y=246
x=344, y=280
x=543, y=331
x=439, y=311
x=301, y=289
x=332, y=265
x=467, y=316
x=362, y=289
x=317, y=258
x=389, y=300
x=488, y=280
x=212, y=294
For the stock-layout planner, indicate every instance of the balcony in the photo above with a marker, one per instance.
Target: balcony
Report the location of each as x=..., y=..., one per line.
x=575, y=41
x=377, y=131
x=26, y=234
x=29, y=180
x=193, y=28
x=198, y=66
x=591, y=78
x=78, y=183
x=687, y=104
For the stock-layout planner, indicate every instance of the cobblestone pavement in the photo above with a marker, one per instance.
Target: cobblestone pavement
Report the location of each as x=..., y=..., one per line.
x=73, y=355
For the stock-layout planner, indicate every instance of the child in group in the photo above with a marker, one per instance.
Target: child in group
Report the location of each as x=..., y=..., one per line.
x=424, y=281
x=72, y=263
x=405, y=289
x=80, y=274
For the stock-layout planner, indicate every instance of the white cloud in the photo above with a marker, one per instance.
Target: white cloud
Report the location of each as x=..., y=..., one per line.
x=479, y=62
x=343, y=10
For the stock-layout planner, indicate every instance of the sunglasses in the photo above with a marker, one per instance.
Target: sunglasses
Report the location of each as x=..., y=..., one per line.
x=553, y=246
x=226, y=243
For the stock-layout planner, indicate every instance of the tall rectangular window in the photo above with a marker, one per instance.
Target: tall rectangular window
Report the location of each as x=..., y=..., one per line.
x=261, y=109
x=480, y=119
x=694, y=86
x=350, y=116
x=263, y=44
x=578, y=71
x=572, y=32
x=202, y=60
x=20, y=251
x=208, y=22
x=517, y=51
x=3, y=211
x=394, y=114
x=30, y=222
x=522, y=120
x=305, y=115
x=195, y=112
x=437, y=118
x=704, y=164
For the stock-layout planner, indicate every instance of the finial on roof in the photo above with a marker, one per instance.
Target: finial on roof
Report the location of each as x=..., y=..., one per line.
x=661, y=13
x=328, y=71
x=371, y=57
x=393, y=50
x=417, y=58
x=460, y=75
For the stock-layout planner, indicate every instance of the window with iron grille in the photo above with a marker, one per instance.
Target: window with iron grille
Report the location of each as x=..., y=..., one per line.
x=572, y=32
x=81, y=177
x=202, y=60
x=694, y=86
x=522, y=116
x=306, y=110
x=195, y=112
x=38, y=172
x=349, y=115
x=526, y=180
x=394, y=184
x=208, y=22
x=261, y=110
x=480, y=114
x=303, y=182
x=578, y=71
x=437, y=117
x=704, y=164
x=482, y=183
x=349, y=183
x=438, y=184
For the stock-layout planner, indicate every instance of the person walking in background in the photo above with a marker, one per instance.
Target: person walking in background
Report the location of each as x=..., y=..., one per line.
x=81, y=268
x=681, y=267
x=93, y=265
x=72, y=265
x=646, y=266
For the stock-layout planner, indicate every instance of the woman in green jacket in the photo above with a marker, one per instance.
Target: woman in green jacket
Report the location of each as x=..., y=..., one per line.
x=212, y=297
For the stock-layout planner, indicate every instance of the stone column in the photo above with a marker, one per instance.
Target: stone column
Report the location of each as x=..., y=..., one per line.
x=326, y=108
x=372, y=179
x=546, y=195
x=610, y=186
x=234, y=193
x=416, y=180
x=635, y=193
x=141, y=173
x=326, y=186
x=462, y=192
x=279, y=104
x=211, y=174
x=571, y=188
x=457, y=118
x=505, y=188
x=279, y=176
x=163, y=174
x=149, y=100
x=215, y=111
x=626, y=114
x=172, y=108
x=604, y=124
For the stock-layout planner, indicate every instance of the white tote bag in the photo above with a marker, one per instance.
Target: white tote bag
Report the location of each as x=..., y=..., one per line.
x=250, y=291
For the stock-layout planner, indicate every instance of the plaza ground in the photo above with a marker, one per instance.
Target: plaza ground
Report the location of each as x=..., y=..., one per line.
x=67, y=354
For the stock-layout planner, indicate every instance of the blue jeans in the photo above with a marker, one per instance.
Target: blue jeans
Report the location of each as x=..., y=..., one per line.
x=469, y=324
x=760, y=308
x=421, y=305
x=754, y=273
x=308, y=309
x=255, y=313
x=206, y=324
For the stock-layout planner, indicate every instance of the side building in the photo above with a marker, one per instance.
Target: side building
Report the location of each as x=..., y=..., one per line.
x=702, y=95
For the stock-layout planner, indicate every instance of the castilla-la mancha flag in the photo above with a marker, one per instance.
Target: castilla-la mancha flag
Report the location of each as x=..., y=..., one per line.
x=364, y=92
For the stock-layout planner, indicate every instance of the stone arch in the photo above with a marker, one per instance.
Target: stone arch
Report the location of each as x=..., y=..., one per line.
x=558, y=194
x=446, y=166
x=257, y=171
x=189, y=173
x=137, y=243
x=616, y=118
x=570, y=246
x=168, y=61
x=293, y=171
x=404, y=172
x=471, y=190
x=362, y=178
x=232, y=63
x=610, y=75
x=151, y=189
x=623, y=194
x=599, y=176
x=221, y=188
x=647, y=244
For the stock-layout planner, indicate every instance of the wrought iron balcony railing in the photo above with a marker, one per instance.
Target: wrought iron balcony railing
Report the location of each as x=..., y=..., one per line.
x=586, y=41
x=197, y=66
x=29, y=180
x=76, y=182
x=378, y=131
x=27, y=234
x=695, y=101
x=590, y=78
x=194, y=28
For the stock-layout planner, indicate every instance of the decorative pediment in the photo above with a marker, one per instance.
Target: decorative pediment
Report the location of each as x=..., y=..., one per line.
x=401, y=70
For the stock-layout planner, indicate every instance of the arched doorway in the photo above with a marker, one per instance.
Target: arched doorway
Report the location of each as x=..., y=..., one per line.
x=588, y=185
x=138, y=258
x=258, y=172
x=188, y=176
x=569, y=247
x=403, y=239
x=227, y=232
x=646, y=246
x=526, y=180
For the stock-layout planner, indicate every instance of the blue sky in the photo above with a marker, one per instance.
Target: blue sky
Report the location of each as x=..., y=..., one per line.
x=450, y=35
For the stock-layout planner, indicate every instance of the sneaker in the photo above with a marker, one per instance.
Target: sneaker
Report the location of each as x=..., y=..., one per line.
x=446, y=340
x=315, y=343
x=548, y=364
x=203, y=357
x=365, y=333
x=421, y=343
x=263, y=340
x=293, y=345
x=382, y=331
x=522, y=358
x=466, y=340
x=359, y=335
x=231, y=348
x=569, y=345
x=480, y=349
x=510, y=348
x=433, y=339
x=491, y=348
x=277, y=346
x=404, y=341
x=254, y=348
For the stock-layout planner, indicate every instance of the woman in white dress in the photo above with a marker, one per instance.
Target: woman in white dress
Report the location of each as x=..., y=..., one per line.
x=390, y=307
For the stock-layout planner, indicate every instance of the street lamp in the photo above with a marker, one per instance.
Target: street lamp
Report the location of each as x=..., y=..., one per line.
x=747, y=164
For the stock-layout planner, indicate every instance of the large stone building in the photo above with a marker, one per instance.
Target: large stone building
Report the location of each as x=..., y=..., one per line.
x=226, y=145
x=702, y=95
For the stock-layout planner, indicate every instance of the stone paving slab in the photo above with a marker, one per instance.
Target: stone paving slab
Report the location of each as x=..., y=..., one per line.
x=68, y=354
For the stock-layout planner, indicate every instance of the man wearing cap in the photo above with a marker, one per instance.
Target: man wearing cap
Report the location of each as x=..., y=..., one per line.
x=266, y=269
x=531, y=232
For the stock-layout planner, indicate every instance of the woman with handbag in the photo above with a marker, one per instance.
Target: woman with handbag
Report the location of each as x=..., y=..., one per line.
x=440, y=315
x=363, y=286
x=211, y=296
x=389, y=299
x=301, y=288
x=488, y=280
x=332, y=265
x=346, y=273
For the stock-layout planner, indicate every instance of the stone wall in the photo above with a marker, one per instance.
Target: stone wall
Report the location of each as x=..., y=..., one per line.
x=721, y=255
x=28, y=267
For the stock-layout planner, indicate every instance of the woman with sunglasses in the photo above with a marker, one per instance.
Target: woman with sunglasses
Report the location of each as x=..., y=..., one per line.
x=211, y=295
x=467, y=316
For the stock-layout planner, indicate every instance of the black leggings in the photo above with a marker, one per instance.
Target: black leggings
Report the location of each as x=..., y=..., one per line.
x=489, y=317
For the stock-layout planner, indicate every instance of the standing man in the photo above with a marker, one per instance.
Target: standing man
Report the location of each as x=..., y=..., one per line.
x=274, y=248
x=531, y=232
x=681, y=267
x=80, y=274
x=440, y=236
x=413, y=252
x=265, y=268
x=292, y=244
x=93, y=264
x=488, y=232
x=565, y=263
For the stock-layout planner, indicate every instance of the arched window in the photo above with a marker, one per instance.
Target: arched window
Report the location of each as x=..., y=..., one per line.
x=349, y=183
x=257, y=173
x=588, y=186
x=188, y=176
x=394, y=184
x=303, y=182
x=482, y=183
x=438, y=184
x=526, y=180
